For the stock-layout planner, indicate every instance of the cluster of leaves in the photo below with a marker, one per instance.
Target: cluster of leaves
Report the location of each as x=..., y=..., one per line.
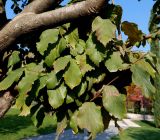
x=77, y=79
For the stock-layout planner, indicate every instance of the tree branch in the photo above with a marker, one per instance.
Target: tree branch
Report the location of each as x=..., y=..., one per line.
x=39, y=6
x=28, y=22
x=6, y=100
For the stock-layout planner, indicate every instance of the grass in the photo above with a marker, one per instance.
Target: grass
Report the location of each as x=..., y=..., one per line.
x=14, y=127
x=147, y=131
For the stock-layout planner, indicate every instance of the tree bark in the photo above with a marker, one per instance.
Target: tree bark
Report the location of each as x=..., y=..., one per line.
x=28, y=21
x=6, y=100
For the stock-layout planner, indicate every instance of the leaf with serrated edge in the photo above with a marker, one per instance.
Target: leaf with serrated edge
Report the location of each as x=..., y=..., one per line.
x=141, y=77
x=92, y=51
x=61, y=63
x=89, y=117
x=72, y=38
x=115, y=62
x=114, y=102
x=55, y=53
x=56, y=97
x=12, y=77
x=32, y=72
x=48, y=36
x=73, y=122
x=73, y=75
x=104, y=30
x=14, y=58
x=52, y=80
x=131, y=29
x=83, y=64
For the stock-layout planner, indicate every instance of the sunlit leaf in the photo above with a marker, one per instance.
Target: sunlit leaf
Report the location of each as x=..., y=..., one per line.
x=141, y=78
x=48, y=36
x=114, y=102
x=52, y=80
x=83, y=64
x=95, y=51
x=12, y=77
x=115, y=62
x=104, y=30
x=14, y=58
x=89, y=117
x=56, y=97
x=72, y=38
x=73, y=75
x=55, y=52
x=61, y=63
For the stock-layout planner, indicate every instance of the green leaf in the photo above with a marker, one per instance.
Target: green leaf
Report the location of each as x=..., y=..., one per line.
x=83, y=64
x=73, y=38
x=82, y=88
x=25, y=111
x=69, y=99
x=131, y=30
x=32, y=72
x=55, y=53
x=89, y=117
x=95, y=51
x=42, y=84
x=79, y=48
x=104, y=30
x=61, y=125
x=52, y=80
x=147, y=67
x=38, y=117
x=14, y=58
x=12, y=77
x=56, y=97
x=73, y=122
x=115, y=62
x=61, y=63
x=48, y=36
x=114, y=102
x=141, y=78
x=73, y=75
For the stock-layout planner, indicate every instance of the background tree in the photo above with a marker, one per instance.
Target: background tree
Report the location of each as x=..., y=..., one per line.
x=154, y=27
x=79, y=66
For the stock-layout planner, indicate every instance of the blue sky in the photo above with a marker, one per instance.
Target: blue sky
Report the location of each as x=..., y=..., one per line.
x=133, y=11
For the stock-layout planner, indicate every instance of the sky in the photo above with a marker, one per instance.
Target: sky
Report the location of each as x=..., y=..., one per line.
x=133, y=11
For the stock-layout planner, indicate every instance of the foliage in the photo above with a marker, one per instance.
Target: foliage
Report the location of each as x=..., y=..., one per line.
x=79, y=77
x=154, y=26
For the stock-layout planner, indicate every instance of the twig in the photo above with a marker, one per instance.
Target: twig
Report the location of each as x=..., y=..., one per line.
x=98, y=94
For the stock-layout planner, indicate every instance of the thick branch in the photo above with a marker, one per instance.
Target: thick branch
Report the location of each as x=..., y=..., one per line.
x=6, y=100
x=28, y=22
x=39, y=6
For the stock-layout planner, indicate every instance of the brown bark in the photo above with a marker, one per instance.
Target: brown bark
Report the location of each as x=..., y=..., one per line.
x=33, y=18
x=29, y=21
x=6, y=100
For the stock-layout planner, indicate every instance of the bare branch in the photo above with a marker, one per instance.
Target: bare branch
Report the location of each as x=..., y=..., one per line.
x=39, y=6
